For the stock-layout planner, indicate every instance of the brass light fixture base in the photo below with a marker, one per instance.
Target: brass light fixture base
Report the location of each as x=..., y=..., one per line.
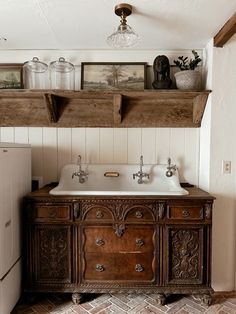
x=123, y=8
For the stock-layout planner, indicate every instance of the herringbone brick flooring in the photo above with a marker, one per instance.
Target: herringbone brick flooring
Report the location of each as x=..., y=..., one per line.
x=132, y=304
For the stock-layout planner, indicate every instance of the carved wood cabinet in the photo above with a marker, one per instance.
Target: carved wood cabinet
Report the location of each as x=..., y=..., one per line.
x=109, y=245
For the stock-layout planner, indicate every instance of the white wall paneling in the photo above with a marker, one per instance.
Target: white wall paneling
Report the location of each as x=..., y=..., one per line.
x=78, y=144
x=148, y=149
x=120, y=146
x=50, y=156
x=53, y=148
x=64, y=150
x=92, y=145
x=36, y=141
x=8, y=135
x=134, y=145
x=106, y=150
x=21, y=135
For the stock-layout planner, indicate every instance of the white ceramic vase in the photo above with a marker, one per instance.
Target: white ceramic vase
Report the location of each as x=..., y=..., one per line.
x=188, y=79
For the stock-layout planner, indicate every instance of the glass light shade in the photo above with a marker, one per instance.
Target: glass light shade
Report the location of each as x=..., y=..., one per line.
x=124, y=37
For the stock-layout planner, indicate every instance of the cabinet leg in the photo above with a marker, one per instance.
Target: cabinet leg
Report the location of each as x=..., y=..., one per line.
x=206, y=299
x=161, y=299
x=76, y=297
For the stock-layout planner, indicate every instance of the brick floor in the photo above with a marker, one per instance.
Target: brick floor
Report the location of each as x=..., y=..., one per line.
x=223, y=303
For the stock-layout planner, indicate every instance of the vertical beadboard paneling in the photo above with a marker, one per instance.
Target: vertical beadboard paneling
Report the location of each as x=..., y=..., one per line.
x=7, y=134
x=120, y=146
x=149, y=145
x=49, y=155
x=177, y=150
x=106, y=145
x=63, y=148
x=78, y=144
x=21, y=135
x=191, y=164
x=36, y=141
x=92, y=145
x=134, y=145
x=162, y=145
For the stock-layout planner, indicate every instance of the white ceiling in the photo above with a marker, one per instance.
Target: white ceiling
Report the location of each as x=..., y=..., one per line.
x=85, y=24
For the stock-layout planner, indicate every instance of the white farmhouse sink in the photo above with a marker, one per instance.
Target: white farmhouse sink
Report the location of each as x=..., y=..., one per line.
x=98, y=184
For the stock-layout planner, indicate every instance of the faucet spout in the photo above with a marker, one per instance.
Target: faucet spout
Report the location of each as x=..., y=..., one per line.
x=170, y=168
x=140, y=174
x=81, y=174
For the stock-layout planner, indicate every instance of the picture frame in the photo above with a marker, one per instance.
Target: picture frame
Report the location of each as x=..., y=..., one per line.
x=113, y=75
x=11, y=75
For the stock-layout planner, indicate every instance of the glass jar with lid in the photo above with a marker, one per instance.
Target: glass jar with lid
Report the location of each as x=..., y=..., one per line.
x=35, y=74
x=62, y=74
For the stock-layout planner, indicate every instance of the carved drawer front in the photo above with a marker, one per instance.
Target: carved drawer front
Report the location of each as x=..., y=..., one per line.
x=97, y=212
x=135, y=239
x=184, y=248
x=117, y=266
x=52, y=254
x=59, y=212
x=139, y=213
x=185, y=212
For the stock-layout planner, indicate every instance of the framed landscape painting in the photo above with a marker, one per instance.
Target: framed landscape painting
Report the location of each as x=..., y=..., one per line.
x=11, y=75
x=113, y=76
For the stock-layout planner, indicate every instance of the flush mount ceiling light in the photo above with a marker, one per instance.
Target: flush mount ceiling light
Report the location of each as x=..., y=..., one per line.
x=124, y=36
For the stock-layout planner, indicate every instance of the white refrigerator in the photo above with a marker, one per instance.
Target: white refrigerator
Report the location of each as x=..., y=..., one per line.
x=15, y=182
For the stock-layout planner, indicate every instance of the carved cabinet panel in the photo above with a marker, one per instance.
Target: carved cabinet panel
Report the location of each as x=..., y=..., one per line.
x=185, y=260
x=52, y=254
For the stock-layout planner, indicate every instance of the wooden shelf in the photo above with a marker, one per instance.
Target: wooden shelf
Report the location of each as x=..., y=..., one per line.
x=148, y=108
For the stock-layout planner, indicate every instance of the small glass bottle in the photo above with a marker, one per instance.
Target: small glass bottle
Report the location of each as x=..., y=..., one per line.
x=35, y=74
x=62, y=75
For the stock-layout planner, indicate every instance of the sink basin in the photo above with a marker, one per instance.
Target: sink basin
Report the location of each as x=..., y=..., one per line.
x=124, y=184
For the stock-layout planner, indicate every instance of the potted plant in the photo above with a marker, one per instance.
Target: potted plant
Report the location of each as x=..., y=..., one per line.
x=187, y=78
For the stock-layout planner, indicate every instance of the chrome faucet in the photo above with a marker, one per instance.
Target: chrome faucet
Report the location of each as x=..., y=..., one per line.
x=80, y=173
x=170, y=169
x=140, y=174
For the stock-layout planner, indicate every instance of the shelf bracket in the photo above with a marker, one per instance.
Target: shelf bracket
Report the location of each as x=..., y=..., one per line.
x=51, y=105
x=199, y=104
x=117, y=109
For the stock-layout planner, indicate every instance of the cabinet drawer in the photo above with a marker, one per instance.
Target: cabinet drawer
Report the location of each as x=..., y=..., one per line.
x=134, y=239
x=59, y=212
x=121, y=267
x=140, y=213
x=185, y=212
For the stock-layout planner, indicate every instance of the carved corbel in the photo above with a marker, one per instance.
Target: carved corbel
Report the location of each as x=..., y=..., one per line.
x=208, y=210
x=161, y=210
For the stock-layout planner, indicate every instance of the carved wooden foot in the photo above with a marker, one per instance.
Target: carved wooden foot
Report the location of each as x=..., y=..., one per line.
x=206, y=299
x=76, y=297
x=161, y=299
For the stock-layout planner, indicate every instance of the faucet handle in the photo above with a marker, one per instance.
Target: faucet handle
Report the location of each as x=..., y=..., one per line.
x=169, y=161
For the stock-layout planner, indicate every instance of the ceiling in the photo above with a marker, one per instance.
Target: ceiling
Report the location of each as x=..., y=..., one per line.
x=85, y=24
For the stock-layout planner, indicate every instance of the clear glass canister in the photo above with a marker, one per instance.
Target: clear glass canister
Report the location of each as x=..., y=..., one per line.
x=35, y=74
x=62, y=74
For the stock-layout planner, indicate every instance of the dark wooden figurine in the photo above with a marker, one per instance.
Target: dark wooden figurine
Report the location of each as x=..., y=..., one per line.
x=161, y=69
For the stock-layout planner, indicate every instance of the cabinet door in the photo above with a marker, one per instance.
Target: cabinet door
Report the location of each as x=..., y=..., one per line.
x=52, y=254
x=185, y=262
